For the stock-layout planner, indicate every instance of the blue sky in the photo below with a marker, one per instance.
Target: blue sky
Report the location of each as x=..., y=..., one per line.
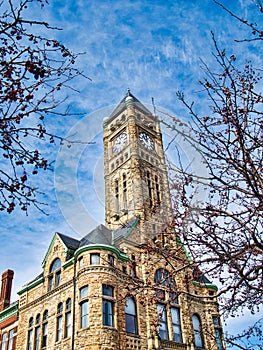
x=152, y=47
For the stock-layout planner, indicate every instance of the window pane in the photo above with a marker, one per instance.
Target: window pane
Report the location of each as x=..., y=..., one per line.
x=94, y=259
x=59, y=328
x=80, y=262
x=131, y=324
x=3, y=341
x=107, y=313
x=130, y=316
x=83, y=292
x=197, y=331
x=68, y=324
x=10, y=340
x=50, y=283
x=162, y=321
x=60, y=308
x=44, y=335
x=31, y=322
x=68, y=304
x=176, y=324
x=84, y=314
x=29, y=340
x=111, y=260
x=175, y=315
x=38, y=319
x=107, y=290
x=55, y=265
x=37, y=336
x=219, y=342
x=58, y=278
x=45, y=315
x=130, y=306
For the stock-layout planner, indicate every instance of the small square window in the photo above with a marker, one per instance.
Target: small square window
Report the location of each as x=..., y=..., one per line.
x=107, y=290
x=83, y=292
x=94, y=259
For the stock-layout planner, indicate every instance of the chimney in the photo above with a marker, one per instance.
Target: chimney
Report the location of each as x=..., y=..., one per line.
x=6, y=287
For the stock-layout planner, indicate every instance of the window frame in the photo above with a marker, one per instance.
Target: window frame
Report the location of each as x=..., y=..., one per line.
x=44, y=334
x=133, y=316
x=3, y=342
x=54, y=276
x=84, y=306
x=198, y=332
x=218, y=332
x=68, y=318
x=167, y=299
x=108, y=307
x=93, y=255
x=59, y=322
x=162, y=321
x=10, y=339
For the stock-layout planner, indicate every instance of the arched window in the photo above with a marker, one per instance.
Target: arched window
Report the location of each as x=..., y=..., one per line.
x=44, y=328
x=198, y=336
x=169, y=322
x=131, y=316
x=37, y=333
x=54, y=277
x=56, y=264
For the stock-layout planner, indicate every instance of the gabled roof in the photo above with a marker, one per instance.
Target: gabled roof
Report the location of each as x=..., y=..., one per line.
x=70, y=243
x=123, y=104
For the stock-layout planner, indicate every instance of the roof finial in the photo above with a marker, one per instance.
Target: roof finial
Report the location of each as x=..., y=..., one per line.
x=129, y=91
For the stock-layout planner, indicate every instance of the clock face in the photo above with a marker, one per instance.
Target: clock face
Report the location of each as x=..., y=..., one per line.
x=119, y=143
x=146, y=141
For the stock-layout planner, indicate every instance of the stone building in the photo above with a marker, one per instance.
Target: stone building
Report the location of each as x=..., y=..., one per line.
x=128, y=284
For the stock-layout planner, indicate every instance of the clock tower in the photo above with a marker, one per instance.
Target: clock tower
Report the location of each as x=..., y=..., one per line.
x=136, y=179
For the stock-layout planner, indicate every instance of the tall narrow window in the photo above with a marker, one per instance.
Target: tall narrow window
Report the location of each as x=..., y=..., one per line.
x=111, y=260
x=54, y=277
x=30, y=334
x=218, y=333
x=84, y=314
x=3, y=343
x=44, y=328
x=108, y=305
x=81, y=262
x=10, y=340
x=68, y=319
x=198, y=336
x=59, y=322
x=162, y=320
x=117, y=197
x=84, y=307
x=131, y=316
x=157, y=188
x=125, y=195
x=149, y=184
x=133, y=266
x=37, y=333
x=177, y=333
